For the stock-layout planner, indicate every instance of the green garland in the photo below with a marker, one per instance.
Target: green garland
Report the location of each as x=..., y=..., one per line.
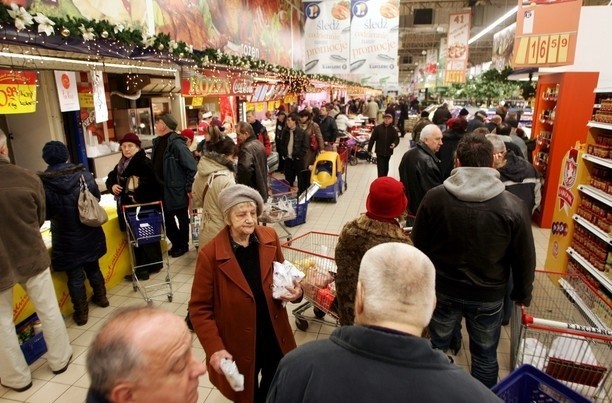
x=71, y=27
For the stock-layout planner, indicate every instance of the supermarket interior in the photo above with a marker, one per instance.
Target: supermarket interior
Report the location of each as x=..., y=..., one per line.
x=97, y=80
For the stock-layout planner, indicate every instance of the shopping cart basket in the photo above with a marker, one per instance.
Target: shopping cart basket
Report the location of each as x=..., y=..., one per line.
x=313, y=253
x=146, y=226
x=560, y=334
x=282, y=206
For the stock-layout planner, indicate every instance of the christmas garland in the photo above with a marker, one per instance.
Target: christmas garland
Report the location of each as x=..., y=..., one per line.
x=161, y=44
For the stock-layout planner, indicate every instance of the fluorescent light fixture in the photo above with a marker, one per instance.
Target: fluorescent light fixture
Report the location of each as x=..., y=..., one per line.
x=492, y=26
x=84, y=62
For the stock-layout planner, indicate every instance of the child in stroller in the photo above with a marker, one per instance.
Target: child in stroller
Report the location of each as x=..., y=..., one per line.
x=359, y=149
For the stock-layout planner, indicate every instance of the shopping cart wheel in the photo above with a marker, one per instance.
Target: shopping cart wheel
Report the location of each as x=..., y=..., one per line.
x=149, y=301
x=353, y=160
x=169, y=298
x=318, y=313
x=301, y=324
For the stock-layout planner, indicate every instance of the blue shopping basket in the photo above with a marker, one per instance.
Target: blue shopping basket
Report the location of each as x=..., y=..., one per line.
x=146, y=225
x=528, y=384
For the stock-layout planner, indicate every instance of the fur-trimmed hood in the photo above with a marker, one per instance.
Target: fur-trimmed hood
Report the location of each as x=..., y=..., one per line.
x=212, y=162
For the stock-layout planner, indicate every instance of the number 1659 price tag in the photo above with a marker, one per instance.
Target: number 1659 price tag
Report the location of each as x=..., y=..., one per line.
x=542, y=50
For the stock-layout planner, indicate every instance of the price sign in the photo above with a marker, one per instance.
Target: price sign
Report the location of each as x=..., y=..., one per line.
x=18, y=91
x=454, y=76
x=546, y=34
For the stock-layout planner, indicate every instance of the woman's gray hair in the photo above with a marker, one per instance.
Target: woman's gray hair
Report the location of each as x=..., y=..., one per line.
x=398, y=283
x=113, y=356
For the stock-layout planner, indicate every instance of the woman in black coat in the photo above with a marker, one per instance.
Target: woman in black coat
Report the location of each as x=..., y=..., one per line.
x=133, y=181
x=76, y=247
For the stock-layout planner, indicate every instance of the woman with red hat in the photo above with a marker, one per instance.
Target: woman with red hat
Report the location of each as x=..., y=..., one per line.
x=133, y=181
x=386, y=202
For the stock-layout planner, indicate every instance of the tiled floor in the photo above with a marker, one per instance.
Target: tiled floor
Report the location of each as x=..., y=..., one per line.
x=72, y=385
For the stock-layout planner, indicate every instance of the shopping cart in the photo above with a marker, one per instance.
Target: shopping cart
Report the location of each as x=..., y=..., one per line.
x=146, y=226
x=562, y=336
x=281, y=206
x=313, y=253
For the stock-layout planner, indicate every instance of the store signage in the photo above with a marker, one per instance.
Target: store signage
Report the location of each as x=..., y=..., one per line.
x=67, y=93
x=374, y=42
x=85, y=95
x=457, y=48
x=17, y=92
x=99, y=96
x=503, y=44
x=546, y=33
x=221, y=84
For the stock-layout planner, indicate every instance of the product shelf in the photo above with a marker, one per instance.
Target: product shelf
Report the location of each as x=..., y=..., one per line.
x=596, y=194
x=606, y=162
x=582, y=305
x=595, y=230
x=600, y=125
x=599, y=276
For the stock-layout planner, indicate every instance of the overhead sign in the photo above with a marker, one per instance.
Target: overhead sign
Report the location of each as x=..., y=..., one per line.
x=457, y=48
x=327, y=29
x=503, y=44
x=546, y=33
x=374, y=42
x=17, y=92
x=207, y=84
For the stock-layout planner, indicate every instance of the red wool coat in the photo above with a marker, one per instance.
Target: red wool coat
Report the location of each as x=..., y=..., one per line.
x=222, y=307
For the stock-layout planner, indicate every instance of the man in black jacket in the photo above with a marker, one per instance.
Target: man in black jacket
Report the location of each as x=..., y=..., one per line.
x=328, y=126
x=419, y=169
x=383, y=355
x=252, y=169
x=441, y=115
x=386, y=139
x=475, y=232
x=293, y=149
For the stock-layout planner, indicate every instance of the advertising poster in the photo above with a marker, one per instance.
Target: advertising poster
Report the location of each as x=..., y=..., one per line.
x=457, y=49
x=503, y=44
x=546, y=33
x=17, y=92
x=67, y=93
x=374, y=42
x=99, y=96
x=327, y=31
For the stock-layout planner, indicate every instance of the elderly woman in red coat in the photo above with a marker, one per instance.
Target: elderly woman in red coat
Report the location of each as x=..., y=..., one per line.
x=231, y=308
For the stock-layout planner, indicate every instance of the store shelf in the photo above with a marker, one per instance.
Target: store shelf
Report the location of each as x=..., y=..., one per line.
x=606, y=162
x=607, y=126
x=582, y=305
x=596, y=194
x=599, y=276
x=602, y=90
x=595, y=230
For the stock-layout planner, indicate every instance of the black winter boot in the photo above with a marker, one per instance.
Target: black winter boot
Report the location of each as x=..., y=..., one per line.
x=81, y=311
x=99, y=295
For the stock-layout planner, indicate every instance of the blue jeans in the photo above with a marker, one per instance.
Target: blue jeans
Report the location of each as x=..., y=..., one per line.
x=483, y=323
x=76, y=280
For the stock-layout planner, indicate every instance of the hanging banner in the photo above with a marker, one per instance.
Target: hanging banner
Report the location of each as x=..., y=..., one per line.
x=17, y=92
x=326, y=36
x=208, y=83
x=546, y=33
x=99, y=96
x=457, y=49
x=374, y=42
x=67, y=93
x=503, y=44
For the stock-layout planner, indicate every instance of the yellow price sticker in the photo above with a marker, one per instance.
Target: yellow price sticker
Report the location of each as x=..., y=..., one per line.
x=542, y=49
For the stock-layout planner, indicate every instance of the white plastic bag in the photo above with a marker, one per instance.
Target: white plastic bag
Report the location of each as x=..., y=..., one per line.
x=284, y=275
x=234, y=378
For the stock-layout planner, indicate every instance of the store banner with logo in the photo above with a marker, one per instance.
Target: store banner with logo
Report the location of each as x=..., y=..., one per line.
x=457, y=48
x=327, y=29
x=207, y=83
x=67, y=92
x=99, y=96
x=17, y=92
x=546, y=32
x=374, y=42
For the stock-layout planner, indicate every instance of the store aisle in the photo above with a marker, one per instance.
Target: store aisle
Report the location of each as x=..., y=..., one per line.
x=72, y=385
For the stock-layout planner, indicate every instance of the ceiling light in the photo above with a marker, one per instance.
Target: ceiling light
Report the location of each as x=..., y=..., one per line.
x=492, y=26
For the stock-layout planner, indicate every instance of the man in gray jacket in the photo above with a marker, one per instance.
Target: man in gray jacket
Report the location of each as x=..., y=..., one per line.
x=252, y=161
x=25, y=261
x=383, y=355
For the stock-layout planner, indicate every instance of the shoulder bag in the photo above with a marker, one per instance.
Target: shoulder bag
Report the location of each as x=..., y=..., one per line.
x=90, y=211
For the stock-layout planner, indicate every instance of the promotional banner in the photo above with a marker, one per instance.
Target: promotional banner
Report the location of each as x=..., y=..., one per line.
x=503, y=44
x=67, y=93
x=546, y=33
x=326, y=36
x=17, y=92
x=207, y=84
x=374, y=42
x=457, y=49
x=99, y=96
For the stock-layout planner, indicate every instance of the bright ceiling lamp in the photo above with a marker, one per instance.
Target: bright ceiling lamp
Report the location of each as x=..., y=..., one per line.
x=492, y=26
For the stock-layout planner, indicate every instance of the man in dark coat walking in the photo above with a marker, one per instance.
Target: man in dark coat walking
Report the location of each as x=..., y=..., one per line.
x=252, y=167
x=293, y=149
x=175, y=167
x=386, y=139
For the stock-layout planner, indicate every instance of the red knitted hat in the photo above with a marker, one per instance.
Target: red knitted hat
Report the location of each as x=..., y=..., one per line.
x=386, y=198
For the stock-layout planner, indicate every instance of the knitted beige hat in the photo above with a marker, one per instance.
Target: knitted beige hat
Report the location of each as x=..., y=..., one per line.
x=236, y=194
